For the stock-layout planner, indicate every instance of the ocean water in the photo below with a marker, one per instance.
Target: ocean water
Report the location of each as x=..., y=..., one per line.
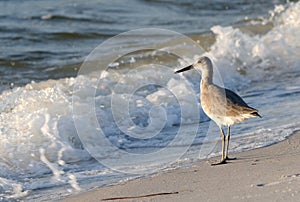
x=89, y=98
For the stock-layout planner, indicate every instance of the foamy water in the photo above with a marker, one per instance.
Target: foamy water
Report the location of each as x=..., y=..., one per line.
x=141, y=111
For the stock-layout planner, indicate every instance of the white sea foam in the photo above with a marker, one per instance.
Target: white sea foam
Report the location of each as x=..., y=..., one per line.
x=259, y=56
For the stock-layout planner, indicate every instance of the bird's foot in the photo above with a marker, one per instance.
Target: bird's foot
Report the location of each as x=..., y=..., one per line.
x=223, y=161
x=229, y=159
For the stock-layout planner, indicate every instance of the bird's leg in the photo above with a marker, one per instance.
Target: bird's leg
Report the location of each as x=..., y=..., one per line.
x=223, y=145
x=223, y=160
x=227, y=145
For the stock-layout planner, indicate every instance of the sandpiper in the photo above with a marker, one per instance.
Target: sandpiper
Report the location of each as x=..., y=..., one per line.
x=221, y=105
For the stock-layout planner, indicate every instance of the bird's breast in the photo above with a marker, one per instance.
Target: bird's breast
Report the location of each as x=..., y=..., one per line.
x=213, y=103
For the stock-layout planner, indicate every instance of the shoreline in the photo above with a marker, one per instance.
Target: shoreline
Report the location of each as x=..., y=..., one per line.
x=265, y=174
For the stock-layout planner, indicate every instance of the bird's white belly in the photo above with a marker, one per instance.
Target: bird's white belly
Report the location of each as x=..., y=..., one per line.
x=218, y=116
x=222, y=120
x=228, y=120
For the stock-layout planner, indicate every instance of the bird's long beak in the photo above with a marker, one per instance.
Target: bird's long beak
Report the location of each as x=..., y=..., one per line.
x=184, y=69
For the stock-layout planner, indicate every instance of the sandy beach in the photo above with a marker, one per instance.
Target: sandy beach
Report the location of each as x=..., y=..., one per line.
x=267, y=174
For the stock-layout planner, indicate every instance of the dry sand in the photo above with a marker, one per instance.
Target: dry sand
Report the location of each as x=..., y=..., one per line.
x=267, y=174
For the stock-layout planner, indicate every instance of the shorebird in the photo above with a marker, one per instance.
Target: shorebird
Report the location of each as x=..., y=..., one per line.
x=221, y=105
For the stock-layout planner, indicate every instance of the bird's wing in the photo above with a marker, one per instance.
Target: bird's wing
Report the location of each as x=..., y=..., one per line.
x=235, y=98
x=234, y=102
x=239, y=104
x=223, y=102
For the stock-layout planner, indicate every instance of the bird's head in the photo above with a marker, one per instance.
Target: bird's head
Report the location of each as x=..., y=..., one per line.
x=199, y=64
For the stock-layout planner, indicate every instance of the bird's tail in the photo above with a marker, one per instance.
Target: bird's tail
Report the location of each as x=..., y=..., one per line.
x=256, y=114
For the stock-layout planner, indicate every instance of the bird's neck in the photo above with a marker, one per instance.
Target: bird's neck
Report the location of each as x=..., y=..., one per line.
x=207, y=76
